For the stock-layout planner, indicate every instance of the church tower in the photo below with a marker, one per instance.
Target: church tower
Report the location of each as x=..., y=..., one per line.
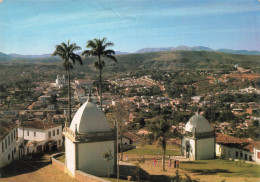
x=198, y=141
x=87, y=138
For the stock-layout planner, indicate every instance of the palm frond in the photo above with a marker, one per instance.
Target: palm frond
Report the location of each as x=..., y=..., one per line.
x=109, y=52
x=111, y=57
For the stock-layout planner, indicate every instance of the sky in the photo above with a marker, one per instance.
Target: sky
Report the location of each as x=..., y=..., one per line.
x=36, y=26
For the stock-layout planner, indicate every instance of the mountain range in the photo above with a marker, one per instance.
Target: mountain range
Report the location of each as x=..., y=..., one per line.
x=6, y=57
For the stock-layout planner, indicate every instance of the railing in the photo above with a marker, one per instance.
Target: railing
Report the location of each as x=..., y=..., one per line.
x=68, y=130
x=87, y=136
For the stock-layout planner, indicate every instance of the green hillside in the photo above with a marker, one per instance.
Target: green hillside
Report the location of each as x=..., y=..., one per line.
x=165, y=60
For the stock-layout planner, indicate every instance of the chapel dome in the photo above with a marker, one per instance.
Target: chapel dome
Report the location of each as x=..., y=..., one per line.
x=199, y=124
x=90, y=119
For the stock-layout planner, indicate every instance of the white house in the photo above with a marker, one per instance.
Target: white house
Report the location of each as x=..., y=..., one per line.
x=250, y=90
x=236, y=148
x=256, y=151
x=198, y=141
x=8, y=147
x=41, y=136
x=87, y=139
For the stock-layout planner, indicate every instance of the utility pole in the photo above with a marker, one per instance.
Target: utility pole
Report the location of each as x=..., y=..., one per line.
x=117, y=151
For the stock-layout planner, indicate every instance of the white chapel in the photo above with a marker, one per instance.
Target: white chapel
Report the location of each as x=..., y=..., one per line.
x=87, y=138
x=198, y=141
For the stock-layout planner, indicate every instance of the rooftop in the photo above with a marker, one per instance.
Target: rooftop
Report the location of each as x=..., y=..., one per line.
x=89, y=119
x=241, y=143
x=5, y=129
x=39, y=124
x=198, y=124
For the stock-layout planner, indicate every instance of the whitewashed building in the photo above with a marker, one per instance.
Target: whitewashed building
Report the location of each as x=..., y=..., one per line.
x=8, y=146
x=87, y=139
x=41, y=136
x=237, y=148
x=60, y=81
x=198, y=141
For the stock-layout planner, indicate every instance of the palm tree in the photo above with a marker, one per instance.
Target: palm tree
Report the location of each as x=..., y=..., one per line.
x=160, y=128
x=66, y=53
x=98, y=48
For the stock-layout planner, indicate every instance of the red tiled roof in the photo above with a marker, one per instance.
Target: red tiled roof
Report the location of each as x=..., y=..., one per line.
x=242, y=143
x=5, y=129
x=131, y=136
x=39, y=125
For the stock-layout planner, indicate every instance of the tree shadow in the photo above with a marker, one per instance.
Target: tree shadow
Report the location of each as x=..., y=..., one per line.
x=209, y=171
x=193, y=162
x=23, y=166
x=138, y=174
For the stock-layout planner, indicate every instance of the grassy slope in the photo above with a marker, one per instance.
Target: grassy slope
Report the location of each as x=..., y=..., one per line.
x=153, y=150
x=223, y=168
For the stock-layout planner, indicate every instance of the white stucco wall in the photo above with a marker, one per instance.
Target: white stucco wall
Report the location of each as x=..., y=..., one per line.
x=228, y=152
x=10, y=150
x=192, y=147
x=256, y=151
x=70, y=156
x=40, y=134
x=205, y=148
x=91, y=157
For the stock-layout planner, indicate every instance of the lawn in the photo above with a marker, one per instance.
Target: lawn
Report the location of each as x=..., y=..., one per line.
x=153, y=150
x=221, y=167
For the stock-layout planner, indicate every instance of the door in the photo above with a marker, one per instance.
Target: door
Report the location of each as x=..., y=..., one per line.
x=245, y=157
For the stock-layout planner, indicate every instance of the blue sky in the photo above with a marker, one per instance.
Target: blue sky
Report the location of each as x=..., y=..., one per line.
x=36, y=26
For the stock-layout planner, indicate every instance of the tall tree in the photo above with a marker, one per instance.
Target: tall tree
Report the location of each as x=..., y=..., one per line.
x=66, y=53
x=120, y=115
x=98, y=47
x=160, y=128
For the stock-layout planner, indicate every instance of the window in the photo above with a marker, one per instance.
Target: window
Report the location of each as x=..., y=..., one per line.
x=3, y=147
x=5, y=143
x=49, y=133
x=236, y=153
x=14, y=150
x=8, y=156
x=27, y=133
x=34, y=134
x=14, y=134
x=53, y=132
x=8, y=140
x=258, y=155
x=12, y=138
x=58, y=131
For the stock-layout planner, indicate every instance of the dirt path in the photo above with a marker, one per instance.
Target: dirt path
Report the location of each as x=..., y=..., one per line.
x=35, y=171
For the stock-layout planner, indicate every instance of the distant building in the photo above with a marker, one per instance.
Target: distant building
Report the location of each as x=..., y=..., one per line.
x=198, y=141
x=86, y=83
x=60, y=81
x=41, y=136
x=250, y=90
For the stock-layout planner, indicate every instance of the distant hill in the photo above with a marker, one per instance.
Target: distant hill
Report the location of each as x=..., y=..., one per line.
x=242, y=52
x=170, y=60
x=197, y=48
x=179, y=48
x=30, y=56
x=4, y=57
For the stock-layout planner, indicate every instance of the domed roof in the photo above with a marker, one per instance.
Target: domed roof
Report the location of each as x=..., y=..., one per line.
x=89, y=119
x=198, y=123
